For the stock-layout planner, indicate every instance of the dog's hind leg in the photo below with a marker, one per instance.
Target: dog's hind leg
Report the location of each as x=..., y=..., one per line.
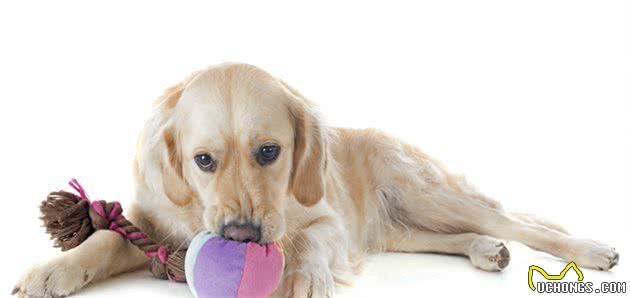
x=415, y=191
x=462, y=212
x=485, y=252
x=537, y=220
x=503, y=225
x=445, y=209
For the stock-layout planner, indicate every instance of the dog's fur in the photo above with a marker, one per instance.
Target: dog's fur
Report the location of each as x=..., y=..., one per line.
x=333, y=195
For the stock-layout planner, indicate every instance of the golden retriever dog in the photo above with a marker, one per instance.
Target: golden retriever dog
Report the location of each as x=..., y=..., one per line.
x=238, y=152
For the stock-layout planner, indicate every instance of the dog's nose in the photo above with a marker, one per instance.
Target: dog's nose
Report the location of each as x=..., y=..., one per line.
x=246, y=232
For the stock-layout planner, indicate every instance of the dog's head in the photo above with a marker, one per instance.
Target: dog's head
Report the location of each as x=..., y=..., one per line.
x=239, y=144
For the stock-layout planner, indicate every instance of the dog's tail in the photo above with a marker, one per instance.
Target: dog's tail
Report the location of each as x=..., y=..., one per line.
x=534, y=219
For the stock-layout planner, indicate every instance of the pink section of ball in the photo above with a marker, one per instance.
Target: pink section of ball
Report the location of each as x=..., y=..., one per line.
x=262, y=271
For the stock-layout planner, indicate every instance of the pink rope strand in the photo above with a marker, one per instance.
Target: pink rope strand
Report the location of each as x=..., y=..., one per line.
x=77, y=186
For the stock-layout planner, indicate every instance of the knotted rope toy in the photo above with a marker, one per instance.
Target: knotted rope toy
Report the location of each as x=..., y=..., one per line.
x=213, y=266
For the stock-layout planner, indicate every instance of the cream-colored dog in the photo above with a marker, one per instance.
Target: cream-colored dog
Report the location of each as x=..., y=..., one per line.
x=239, y=152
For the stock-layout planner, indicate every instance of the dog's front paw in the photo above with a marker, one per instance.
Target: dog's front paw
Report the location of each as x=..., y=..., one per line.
x=310, y=280
x=592, y=254
x=52, y=279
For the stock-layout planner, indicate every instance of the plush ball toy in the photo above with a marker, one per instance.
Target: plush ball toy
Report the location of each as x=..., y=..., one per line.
x=212, y=266
x=216, y=267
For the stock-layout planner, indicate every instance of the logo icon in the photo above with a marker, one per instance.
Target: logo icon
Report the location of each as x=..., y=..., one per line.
x=560, y=276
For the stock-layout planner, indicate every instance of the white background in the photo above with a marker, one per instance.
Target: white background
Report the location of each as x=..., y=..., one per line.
x=529, y=98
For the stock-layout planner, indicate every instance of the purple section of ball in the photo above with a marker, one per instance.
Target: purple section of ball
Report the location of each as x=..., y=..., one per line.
x=219, y=268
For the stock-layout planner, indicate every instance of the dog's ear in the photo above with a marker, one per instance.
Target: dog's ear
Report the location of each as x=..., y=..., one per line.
x=175, y=186
x=158, y=159
x=309, y=152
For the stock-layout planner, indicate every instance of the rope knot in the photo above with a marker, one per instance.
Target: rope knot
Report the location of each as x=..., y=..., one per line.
x=105, y=214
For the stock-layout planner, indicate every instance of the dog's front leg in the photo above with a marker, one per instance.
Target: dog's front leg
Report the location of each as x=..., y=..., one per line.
x=311, y=252
x=103, y=254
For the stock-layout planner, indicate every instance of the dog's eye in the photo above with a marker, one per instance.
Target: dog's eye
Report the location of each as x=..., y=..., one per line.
x=205, y=162
x=267, y=154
